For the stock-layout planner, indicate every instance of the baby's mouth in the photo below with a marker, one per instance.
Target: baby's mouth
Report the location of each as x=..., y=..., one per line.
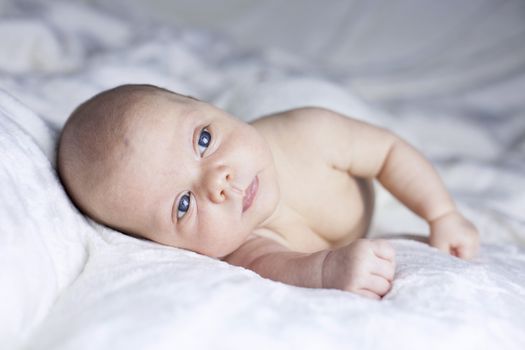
x=250, y=193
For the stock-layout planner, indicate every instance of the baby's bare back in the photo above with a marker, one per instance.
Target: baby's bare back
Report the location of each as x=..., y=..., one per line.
x=322, y=206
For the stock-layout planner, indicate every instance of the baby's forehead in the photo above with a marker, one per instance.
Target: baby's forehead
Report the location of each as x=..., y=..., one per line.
x=161, y=105
x=158, y=115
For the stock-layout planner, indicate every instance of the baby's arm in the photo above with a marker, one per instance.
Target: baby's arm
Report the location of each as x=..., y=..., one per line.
x=413, y=180
x=373, y=152
x=365, y=267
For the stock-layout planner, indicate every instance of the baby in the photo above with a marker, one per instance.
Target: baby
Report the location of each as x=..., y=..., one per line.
x=288, y=196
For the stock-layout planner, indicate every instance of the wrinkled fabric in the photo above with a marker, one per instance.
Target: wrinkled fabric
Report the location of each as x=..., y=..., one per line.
x=68, y=283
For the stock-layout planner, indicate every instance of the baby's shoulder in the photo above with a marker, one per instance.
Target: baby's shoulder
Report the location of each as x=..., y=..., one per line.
x=301, y=123
x=303, y=117
x=299, y=134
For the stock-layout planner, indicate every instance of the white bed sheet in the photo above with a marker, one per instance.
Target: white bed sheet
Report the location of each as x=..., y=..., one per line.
x=67, y=283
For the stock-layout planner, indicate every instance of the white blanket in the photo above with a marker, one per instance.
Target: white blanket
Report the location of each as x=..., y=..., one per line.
x=67, y=283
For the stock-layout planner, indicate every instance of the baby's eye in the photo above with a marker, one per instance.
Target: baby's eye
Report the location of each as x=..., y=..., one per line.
x=204, y=141
x=184, y=205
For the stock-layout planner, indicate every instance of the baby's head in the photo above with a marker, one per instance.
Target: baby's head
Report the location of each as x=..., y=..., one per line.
x=167, y=167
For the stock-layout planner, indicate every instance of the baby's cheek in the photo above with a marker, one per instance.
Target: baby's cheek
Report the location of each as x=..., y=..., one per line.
x=220, y=241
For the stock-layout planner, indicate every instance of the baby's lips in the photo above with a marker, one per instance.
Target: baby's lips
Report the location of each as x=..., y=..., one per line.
x=250, y=193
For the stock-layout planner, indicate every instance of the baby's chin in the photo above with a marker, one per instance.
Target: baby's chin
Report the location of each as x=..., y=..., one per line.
x=218, y=250
x=213, y=252
x=214, y=244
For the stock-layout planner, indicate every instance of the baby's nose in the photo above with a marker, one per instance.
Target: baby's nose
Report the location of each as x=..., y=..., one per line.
x=218, y=183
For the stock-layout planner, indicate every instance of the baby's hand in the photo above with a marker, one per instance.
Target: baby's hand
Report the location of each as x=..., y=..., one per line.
x=365, y=267
x=454, y=234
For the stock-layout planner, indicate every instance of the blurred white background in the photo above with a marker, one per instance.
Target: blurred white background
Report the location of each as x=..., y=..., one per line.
x=391, y=49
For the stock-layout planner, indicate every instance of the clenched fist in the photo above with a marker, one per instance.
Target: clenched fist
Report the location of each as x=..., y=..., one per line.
x=454, y=234
x=365, y=267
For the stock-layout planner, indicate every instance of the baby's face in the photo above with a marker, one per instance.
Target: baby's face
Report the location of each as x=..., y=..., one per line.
x=192, y=177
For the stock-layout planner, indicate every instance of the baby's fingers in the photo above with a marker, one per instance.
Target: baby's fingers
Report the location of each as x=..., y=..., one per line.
x=375, y=287
x=466, y=251
x=384, y=250
x=378, y=285
x=385, y=269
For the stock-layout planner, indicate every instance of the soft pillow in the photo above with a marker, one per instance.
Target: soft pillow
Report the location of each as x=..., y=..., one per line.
x=41, y=249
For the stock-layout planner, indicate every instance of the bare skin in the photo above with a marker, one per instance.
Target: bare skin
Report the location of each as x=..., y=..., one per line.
x=190, y=168
x=328, y=219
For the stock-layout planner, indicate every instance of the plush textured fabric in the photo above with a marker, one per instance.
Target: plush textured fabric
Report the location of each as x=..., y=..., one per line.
x=67, y=283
